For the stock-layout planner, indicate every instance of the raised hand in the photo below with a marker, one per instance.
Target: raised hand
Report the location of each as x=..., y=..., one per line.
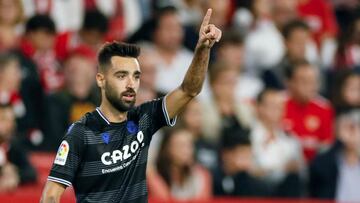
x=209, y=33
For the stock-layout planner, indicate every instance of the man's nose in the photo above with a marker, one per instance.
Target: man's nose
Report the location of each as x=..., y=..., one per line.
x=131, y=82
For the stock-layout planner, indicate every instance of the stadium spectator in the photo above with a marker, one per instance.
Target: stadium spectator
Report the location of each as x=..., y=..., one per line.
x=191, y=119
x=14, y=163
x=264, y=43
x=10, y=83
x=299, y=46
x=224, y=111
x=125, y=17
x=77, y=98
x=335, y=174
x=11, y=17
x=307, y=114
x=67, y=15
x=346, y=91
x=278, y=155
x=232, y=51
x=234, y=176
x=190, y=11
x=20, y=87
x=298, y=42
x=176, y=175
x=148, y=61
x=92, y=34
x=348, y=54
x=283, y=11
x=38, y=45
x=173, y=57
x=320, y=16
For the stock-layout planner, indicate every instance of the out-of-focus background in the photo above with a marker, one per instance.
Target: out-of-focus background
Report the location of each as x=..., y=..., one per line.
x=278, y=117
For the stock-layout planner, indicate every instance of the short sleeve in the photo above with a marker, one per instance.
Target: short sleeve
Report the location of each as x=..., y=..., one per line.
x=68, y=156
x=158, y=113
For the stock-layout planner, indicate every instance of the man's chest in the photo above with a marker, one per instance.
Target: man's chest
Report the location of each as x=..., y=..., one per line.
x=114, y=150
x=306, y=120
x=119, y=148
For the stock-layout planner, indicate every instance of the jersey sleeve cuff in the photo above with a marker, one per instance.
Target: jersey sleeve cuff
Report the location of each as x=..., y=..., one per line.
x=59, y=180
x=169, y=122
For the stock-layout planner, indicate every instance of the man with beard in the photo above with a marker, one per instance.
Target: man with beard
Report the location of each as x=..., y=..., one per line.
x=104, y=154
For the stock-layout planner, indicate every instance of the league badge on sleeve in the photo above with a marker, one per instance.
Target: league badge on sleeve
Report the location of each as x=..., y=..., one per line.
x=62, y=153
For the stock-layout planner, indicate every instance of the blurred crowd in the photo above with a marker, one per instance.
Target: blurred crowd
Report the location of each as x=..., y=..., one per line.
x=278, y=116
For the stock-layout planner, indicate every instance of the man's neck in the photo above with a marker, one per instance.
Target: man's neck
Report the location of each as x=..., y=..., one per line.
x=351, y=156
x=111, y=113
x=300, y=100
x=269, y=127
x=226, y=105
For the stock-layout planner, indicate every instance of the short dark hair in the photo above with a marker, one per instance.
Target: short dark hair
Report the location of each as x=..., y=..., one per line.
x=293, y=25
x=260, y=97
x=235, y=137
x=231, y=36
x=95, y=20
x=163, y=11
x=40, y=22
x=6, y=58
x=291, y=69
x=110, y=49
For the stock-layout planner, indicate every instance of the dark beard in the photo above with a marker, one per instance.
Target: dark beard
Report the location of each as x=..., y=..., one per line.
x=118, y=103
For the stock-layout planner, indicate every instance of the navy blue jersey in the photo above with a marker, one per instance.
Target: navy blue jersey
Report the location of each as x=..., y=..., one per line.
x=106, y=162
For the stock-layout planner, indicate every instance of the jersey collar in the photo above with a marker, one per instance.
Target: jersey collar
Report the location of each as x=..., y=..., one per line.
x=102, y=115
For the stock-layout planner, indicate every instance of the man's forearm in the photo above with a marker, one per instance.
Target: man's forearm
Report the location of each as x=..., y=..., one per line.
x=49, y=200
x=52, y=192
x=192, y=84
x=195, y=75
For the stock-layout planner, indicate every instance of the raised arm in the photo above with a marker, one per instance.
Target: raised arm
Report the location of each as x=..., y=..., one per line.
x=191, y=86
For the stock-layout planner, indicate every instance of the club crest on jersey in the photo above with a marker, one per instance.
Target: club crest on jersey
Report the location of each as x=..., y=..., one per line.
x=106, y=137
x=62, y=153
x=132, y=127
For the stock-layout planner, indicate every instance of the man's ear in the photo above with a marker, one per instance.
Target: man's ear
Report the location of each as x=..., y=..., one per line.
x=100, y=80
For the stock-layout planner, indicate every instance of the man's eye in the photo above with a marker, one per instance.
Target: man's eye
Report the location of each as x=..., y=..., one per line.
x=137, y=77
x=121, y=76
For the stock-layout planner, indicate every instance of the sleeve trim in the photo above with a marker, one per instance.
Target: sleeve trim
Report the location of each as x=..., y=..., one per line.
x=169, y=122
x=59, y=180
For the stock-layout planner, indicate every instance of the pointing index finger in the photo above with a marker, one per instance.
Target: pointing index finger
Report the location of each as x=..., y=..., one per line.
x=207, y=17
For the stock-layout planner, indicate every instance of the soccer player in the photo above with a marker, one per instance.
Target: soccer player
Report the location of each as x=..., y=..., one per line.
x=104, y=154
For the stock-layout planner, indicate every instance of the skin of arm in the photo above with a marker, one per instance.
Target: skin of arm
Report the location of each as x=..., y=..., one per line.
x=52, y=192
x=191, y=86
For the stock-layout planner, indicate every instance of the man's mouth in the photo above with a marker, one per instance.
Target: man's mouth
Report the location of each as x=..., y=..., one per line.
x=129, y=96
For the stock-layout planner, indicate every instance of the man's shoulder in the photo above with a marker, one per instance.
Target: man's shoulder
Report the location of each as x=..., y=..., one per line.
x=146, y=108
x=322, y=103
x=327, y=158
x=88, y=123
x=147, y=105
